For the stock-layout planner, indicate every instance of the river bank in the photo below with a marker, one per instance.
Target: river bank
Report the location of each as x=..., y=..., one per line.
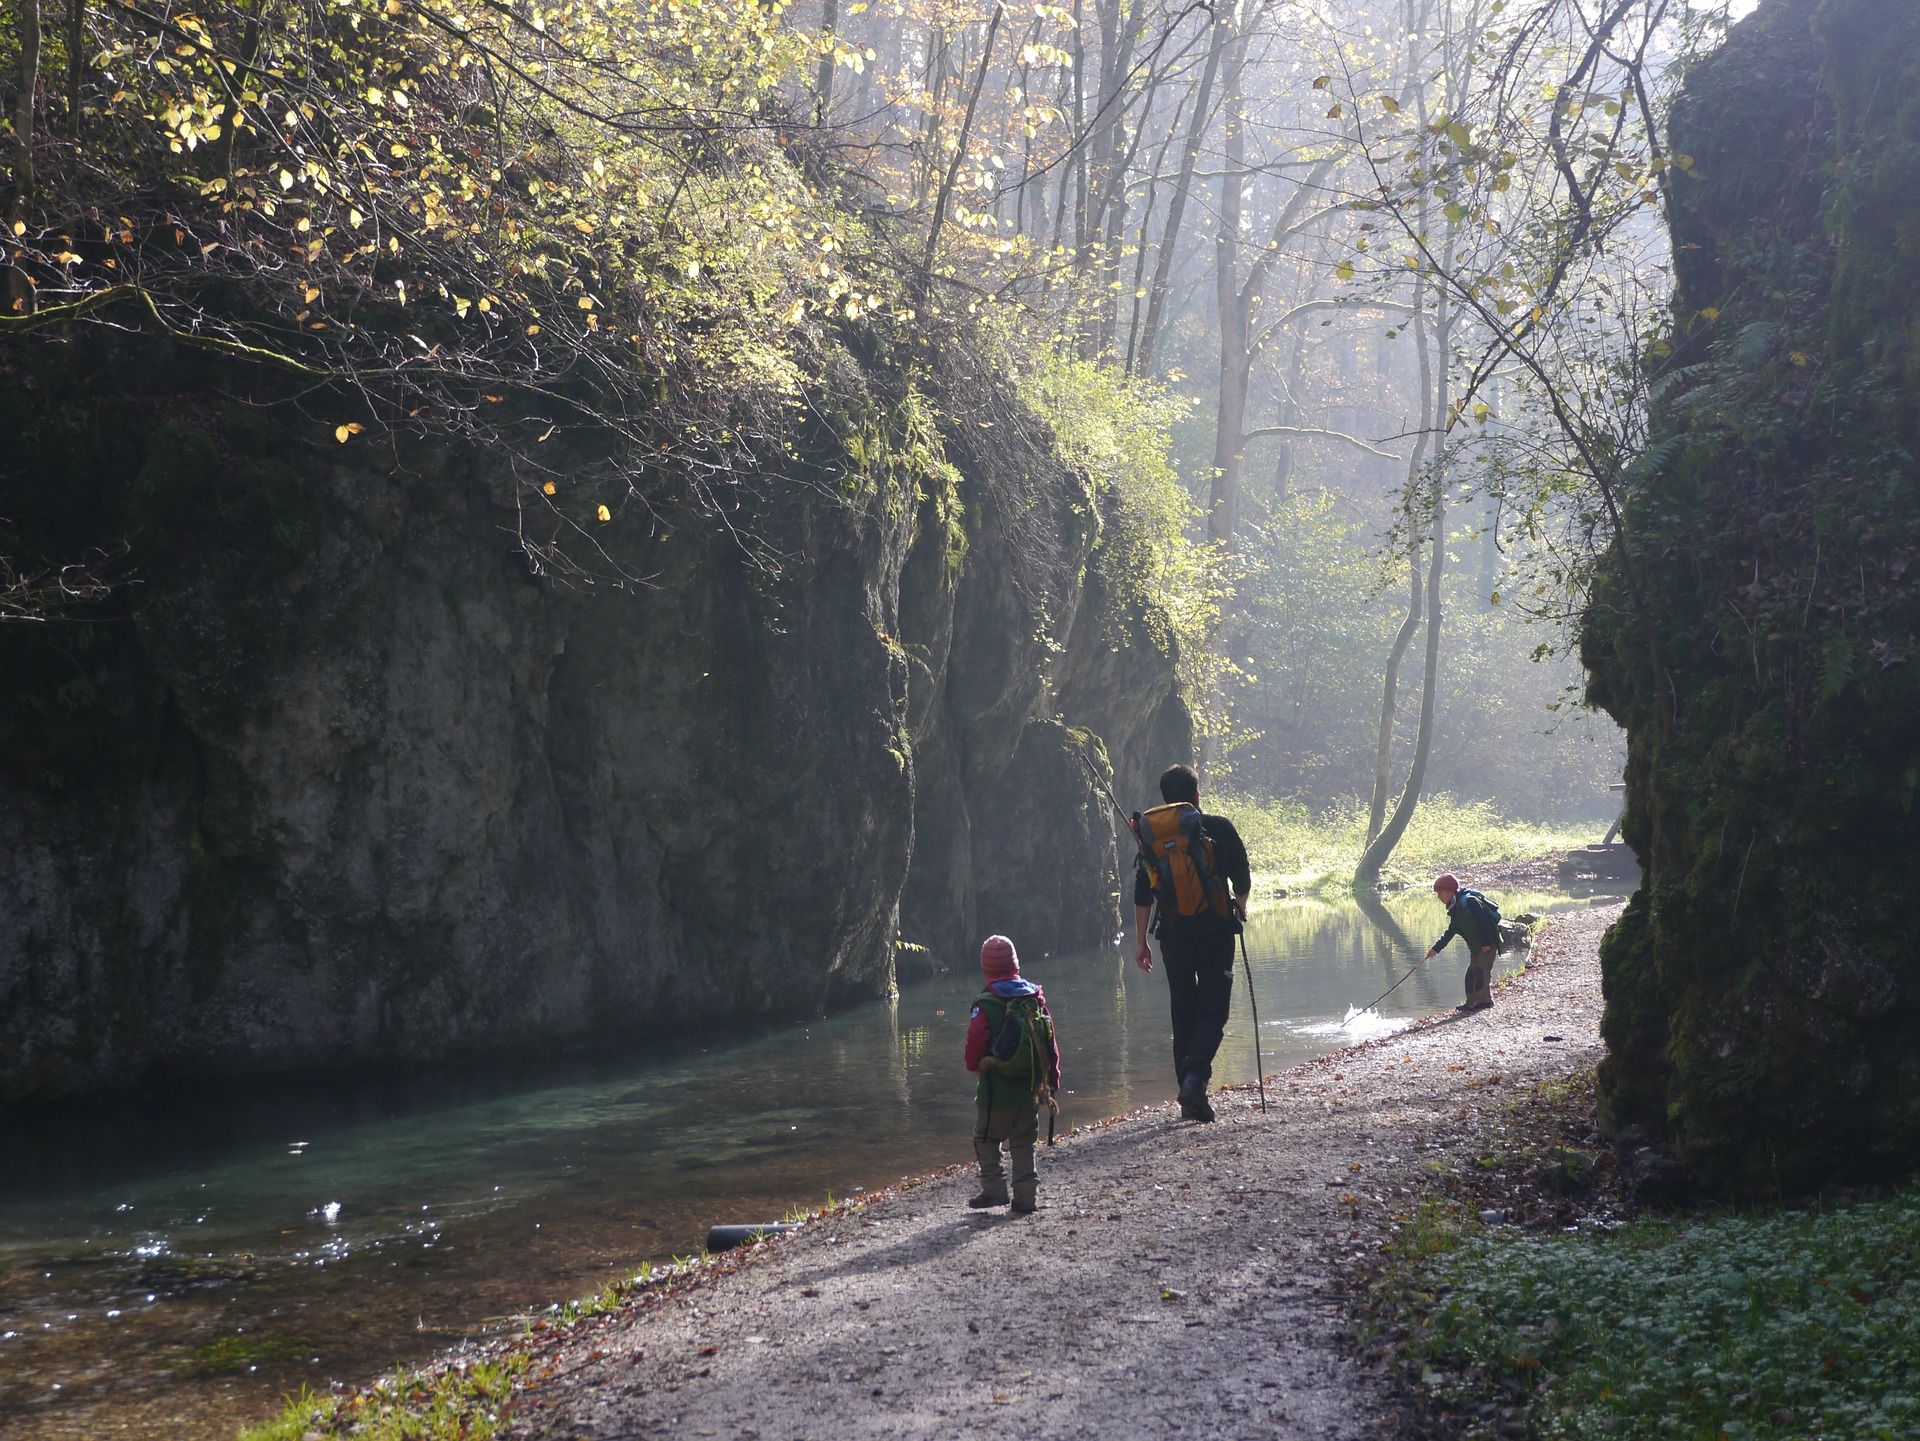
x=1298, y=852
x=1178, y=1279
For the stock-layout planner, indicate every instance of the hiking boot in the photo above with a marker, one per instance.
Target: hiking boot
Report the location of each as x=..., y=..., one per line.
x=1025, y=1208
x=1193, y=1098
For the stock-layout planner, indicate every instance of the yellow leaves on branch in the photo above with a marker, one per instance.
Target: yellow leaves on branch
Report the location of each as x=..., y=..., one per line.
x=603, y=513
x=345, y=433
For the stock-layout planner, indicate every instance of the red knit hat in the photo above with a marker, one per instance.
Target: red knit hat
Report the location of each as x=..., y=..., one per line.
x=1446, y=885
x=998, y=959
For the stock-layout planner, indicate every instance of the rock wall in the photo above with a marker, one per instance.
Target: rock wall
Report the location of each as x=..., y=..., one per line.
x=341, y=780
x=1763, y=991
x=1038, y=664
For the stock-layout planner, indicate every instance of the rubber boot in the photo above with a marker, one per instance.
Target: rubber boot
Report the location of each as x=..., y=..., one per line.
x=993, y=1176
x=1026, y=1180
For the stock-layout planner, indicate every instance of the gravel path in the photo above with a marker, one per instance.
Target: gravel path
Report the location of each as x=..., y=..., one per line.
x=1178, y=1280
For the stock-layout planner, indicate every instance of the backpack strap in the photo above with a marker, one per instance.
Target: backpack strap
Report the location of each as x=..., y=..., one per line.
x=1160, y=867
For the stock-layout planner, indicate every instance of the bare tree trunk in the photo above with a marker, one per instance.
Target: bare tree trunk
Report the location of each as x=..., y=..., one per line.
x=76, y=62
x=1146, y=225
x=1367, y=873
x=937, y=49
x=1389, y=698
x=1383, y=750
x=1113, y=227
x=1025, y=73
x=1231, y=413
x=1079, y=129
x=19, y=294
x=1375, y=856
x=1182, y=187
x=823, y=86
x=959, y=150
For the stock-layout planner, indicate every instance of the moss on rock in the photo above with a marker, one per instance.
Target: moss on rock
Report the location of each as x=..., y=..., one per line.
x=1762, y=990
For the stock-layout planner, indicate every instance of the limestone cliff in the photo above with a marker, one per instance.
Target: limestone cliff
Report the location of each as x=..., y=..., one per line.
x=1763, y=990
x=340, y=779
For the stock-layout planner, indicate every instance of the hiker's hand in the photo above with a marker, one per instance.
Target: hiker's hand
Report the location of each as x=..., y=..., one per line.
x=1240, y=907
x=989, y=1061
x=1431, y=953
x=1143, y=958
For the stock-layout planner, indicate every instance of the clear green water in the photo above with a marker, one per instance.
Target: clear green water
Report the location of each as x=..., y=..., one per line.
x=170, y=1267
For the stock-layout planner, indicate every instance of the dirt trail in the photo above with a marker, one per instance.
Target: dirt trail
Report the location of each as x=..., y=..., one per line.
x=1178, y=1280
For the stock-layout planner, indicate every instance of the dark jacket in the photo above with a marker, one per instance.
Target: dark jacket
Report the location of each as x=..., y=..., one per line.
x=1473, y=918
x=1229, y=857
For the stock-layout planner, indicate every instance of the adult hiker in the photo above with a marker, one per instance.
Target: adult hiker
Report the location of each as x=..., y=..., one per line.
x=1012, y=1048
x=1184, y=888
x=1476, y=920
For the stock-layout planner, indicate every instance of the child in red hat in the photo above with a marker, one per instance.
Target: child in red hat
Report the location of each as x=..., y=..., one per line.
x=1476, y=920
x=1012, y=1048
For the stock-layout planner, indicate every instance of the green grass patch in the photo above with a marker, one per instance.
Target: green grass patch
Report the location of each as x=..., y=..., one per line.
x=1739, y=1327
x=1292, y=847
x=462, y=1403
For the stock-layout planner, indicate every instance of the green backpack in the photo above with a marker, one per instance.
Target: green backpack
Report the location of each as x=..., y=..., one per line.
x=1022, y=1039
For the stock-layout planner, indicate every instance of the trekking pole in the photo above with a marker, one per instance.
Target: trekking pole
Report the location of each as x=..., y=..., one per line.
x=1112, y=800
x=1259, y=1066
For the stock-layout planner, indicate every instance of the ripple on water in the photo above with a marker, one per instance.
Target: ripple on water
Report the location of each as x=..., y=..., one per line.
x=1356, y=1027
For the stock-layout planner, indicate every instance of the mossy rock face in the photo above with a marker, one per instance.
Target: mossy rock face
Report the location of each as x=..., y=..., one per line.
x=341, y=779
x=1762, y=990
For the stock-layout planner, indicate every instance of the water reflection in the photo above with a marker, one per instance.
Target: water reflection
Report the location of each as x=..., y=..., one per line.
x=172, y=1265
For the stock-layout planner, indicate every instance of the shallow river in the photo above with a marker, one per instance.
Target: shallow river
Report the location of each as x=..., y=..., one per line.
x=174, y=1266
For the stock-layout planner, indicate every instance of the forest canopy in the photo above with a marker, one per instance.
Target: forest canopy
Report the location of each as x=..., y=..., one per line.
x=1334, y=293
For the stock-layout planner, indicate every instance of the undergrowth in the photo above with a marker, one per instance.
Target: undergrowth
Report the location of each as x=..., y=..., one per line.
x=1755, y=1326
x=1292, y=847
x=462, y=1403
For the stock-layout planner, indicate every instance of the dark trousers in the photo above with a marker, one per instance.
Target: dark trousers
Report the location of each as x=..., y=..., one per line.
x=1480, y=976
x=1200, y=976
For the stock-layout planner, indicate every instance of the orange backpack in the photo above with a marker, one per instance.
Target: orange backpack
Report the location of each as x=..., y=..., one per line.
x=1179, y=855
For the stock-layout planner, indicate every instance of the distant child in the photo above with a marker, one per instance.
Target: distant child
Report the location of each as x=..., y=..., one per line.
x=1012, y=1048
x=1476, y=920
